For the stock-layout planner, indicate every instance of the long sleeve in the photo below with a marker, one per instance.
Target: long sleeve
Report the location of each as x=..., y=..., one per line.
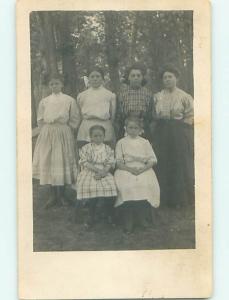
x=119, y=154
x=74, y=115
x=150, y=153
x=188, y=110
x=85, y=156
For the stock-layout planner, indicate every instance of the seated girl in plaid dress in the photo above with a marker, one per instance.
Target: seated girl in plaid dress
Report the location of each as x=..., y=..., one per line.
x=95, y=181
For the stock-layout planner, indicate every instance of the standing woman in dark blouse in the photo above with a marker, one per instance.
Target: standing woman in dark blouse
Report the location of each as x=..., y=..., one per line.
x=134, y=101
x=173, y=140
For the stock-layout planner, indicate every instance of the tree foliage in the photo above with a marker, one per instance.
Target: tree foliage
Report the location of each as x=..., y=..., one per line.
x=70, y=43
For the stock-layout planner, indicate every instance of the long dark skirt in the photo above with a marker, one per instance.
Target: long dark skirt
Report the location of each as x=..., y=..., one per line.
x=173, y=142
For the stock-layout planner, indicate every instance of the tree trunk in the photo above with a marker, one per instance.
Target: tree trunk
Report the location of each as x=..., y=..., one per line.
x=67, y=51
x=111, y=49
x=49, y=41
x=133, y=38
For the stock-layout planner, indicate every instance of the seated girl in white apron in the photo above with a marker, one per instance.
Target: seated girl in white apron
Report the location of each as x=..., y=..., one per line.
x=137, y=184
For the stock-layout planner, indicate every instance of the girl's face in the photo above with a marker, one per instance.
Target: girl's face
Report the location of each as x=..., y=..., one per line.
x=97, y=136
x=56, y=86
x=133, y=129
x=169, y=80
x=95, y=79
x=135, y=78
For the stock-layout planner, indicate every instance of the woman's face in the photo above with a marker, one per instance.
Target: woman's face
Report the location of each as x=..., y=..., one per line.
x=169, y=80
x=133, y=129
x=135, y=78
x=95, y=79
x=56, y=86
x=97, y=136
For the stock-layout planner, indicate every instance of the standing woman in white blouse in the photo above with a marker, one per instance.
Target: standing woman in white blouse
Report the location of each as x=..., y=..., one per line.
x=54, y=162
x=174, y=141
x=97, y=107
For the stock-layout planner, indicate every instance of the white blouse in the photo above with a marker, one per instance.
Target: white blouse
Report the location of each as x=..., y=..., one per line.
x=97, y=103
x=176, y=105
x=58, y=108
x=134, y=151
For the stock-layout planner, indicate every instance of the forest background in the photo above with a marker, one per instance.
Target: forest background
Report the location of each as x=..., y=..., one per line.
x=71, y=42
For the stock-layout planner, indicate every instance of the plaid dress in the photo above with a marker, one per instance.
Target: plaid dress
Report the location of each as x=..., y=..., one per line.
x=137, y=103
x=87, y=186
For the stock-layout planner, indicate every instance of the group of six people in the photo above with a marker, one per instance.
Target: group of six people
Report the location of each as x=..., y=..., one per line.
x=115, y=137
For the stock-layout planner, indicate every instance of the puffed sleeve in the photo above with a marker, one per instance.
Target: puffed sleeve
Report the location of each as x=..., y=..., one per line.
x=74, y=115
x=85, y=155
x=40, y=114
x=150, y=153
x=188, y=109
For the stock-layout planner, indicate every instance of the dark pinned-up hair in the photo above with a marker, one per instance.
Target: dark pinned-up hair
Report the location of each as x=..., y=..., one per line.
x=171, y=69
x=97, y=69
x=96, y=127
x=135, y=66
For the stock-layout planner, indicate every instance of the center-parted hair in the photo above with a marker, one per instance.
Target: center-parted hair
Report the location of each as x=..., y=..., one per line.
x=135, y=66
x=96, y=127
x=96, y=69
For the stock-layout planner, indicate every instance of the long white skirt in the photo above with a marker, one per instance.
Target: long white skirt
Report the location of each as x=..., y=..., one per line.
x=142, y=187
x=54, y=156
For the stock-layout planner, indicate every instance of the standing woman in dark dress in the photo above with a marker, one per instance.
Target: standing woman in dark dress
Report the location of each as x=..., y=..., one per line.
x=173, y=141
x=134, y=101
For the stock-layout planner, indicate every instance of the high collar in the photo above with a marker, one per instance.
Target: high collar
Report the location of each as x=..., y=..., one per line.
x=170, y=92
x=133, y=138
x=133, y=89
x=57, y=95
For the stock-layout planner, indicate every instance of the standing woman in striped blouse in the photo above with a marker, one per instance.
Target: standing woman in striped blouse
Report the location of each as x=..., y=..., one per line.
x=173, y=141
x=135, y=101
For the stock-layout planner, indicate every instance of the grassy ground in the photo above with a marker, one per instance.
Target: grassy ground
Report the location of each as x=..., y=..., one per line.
x=55, y=230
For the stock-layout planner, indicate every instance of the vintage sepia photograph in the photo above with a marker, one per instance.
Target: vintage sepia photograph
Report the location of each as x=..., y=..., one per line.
x=112, y=118
x=114, y=149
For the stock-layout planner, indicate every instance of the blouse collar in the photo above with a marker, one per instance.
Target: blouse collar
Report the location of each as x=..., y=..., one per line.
x=133, y=138
x=57, y=95
x=132, y=89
